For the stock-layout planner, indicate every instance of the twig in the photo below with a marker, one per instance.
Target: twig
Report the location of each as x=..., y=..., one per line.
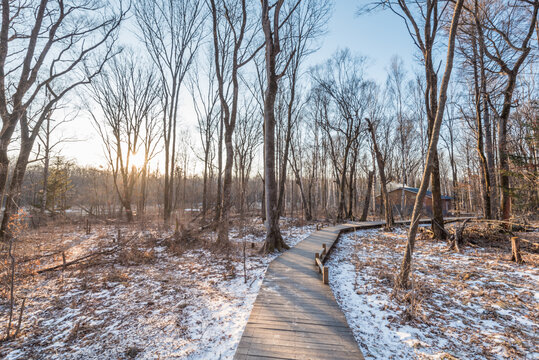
x=20, y=318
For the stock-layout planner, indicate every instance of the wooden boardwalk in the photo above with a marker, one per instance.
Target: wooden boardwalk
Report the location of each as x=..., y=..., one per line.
x=295, y=315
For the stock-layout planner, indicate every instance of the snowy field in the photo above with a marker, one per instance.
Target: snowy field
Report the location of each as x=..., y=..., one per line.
x=144, y=303
x=153, y=300
x=473, y=305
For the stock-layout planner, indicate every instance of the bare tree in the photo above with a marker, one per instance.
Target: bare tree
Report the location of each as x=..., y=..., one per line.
x=233, y=35
x=423, y=21
x=172, y=33
x=271, y=24
x=247, y=139
x=305, y=24
x=206, y=107
x=395, y=84
x=43, y=46
x=127, y=96
x=341, y=82
x=402, y=279
x=450, y=137
x=372, y=125
x=50, y=144
x=151, y=146
x=508, y=46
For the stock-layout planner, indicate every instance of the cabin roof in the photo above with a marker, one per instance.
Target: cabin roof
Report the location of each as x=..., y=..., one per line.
x=416, y=190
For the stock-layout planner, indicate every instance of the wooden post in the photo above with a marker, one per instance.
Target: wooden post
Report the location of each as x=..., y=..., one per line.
x=119, y=236
x=316, y=256
x=325, y=275
x=64, y=260
x=515, y=250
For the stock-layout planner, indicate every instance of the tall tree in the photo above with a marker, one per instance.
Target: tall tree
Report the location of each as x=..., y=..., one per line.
x=505, y=30
x=44, y=46
x=402, y=280
x=305, y=24
x=246, y=142
x=207, y=111
x=172, y=33
x=429, y=15
x=271, y=24
x=395, y=82
x=386, y=202
x=127, y=95
x=233, y=33
x=340, y=81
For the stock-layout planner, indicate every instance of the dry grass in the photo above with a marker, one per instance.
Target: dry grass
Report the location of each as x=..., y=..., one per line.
x=160, y=265
x=480, y=284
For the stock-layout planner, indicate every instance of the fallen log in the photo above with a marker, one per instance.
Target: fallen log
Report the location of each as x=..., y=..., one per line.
x=65, y=263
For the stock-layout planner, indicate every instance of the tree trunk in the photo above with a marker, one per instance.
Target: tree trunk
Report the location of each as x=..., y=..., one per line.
x=515, y=250
x=386, y=203
x=485, y=176
x=367, y=197
x=342, y=186
x=218, y=200
x=46, y=166
x=489, y=144
x=402, y=280
x=141, y=208
x=222, y=234
x=351, y=183
x=274, y=240
x=166, y=193
x=15, y=185
x=288, y=138
x=205, y=183
x=503, y=152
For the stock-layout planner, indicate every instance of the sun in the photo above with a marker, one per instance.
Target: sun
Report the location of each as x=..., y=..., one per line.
x=137, y=159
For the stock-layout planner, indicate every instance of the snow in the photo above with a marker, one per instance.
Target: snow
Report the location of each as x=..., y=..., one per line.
x=472, y=305
x=192, y=306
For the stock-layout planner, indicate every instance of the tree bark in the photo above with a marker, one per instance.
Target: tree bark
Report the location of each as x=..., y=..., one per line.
x=274, y=240
x=367, y=197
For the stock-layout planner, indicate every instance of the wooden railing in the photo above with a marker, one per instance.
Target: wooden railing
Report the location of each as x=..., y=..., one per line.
x=319, y=261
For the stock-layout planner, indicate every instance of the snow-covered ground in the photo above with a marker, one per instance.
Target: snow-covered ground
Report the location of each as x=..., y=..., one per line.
x=473, y=305
x=190, y=306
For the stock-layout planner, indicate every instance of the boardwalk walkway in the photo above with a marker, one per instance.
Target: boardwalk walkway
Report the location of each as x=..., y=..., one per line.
x=295, y=315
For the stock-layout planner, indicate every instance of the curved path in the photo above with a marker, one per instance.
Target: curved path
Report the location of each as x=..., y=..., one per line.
x=295, y=316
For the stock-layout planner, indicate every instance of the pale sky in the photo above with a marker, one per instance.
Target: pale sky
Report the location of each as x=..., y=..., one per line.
x=378, y=36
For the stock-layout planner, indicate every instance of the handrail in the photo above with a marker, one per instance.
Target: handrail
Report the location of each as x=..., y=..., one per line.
x=319, y=261
x=320, y=257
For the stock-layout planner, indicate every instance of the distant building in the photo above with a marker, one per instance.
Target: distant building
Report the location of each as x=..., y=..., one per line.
x=410, y=194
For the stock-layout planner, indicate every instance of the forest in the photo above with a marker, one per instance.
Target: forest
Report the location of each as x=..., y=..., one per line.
x=240, y=164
